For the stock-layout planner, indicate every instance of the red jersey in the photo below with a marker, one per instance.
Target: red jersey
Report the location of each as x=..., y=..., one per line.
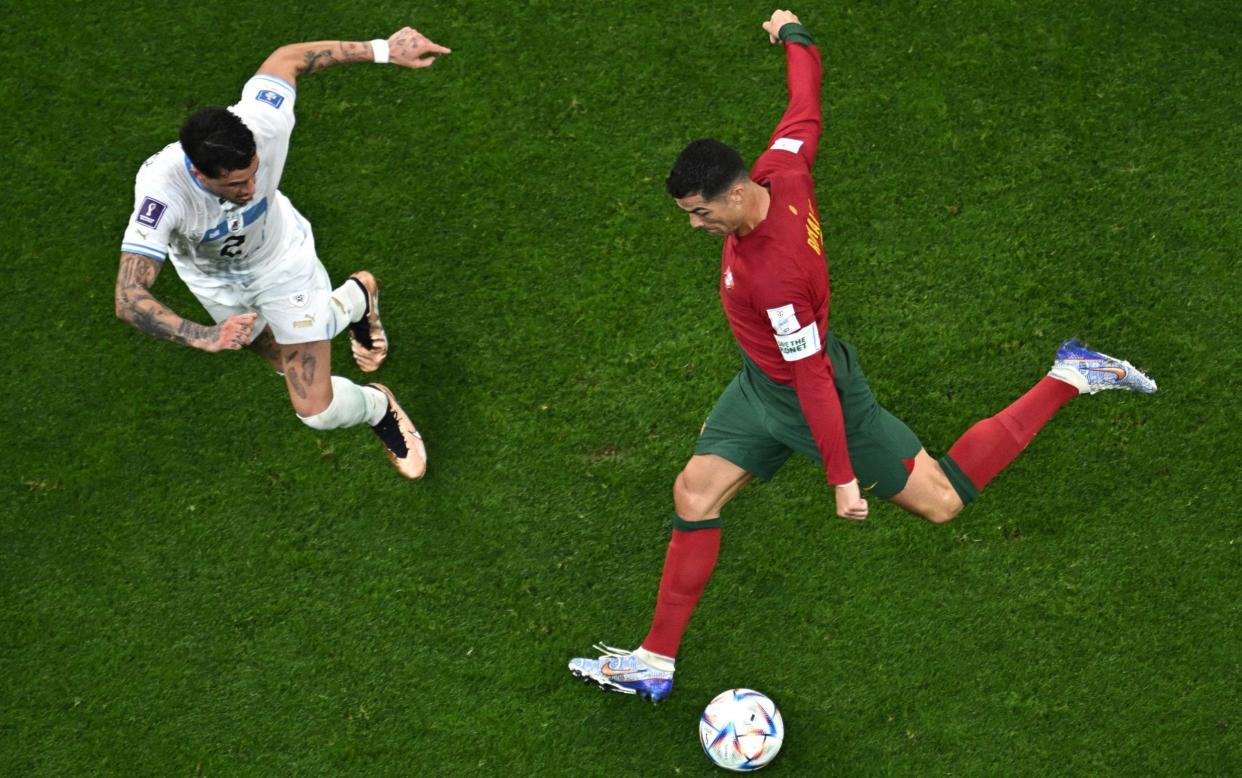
x=774, y=280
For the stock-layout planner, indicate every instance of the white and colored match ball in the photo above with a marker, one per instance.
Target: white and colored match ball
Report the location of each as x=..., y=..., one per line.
x=741, y=730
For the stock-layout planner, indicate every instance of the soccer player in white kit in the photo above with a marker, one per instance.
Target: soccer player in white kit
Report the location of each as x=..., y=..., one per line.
x=210, y=203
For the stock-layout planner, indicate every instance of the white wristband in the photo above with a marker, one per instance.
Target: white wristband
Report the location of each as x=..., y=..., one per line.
x=379, y=51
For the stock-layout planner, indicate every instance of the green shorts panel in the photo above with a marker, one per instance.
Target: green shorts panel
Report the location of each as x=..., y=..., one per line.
x=757, y=423
x=735, y=431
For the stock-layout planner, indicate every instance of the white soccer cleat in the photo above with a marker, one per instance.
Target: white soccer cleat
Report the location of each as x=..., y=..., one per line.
x=618, y=670
x=1093, y=372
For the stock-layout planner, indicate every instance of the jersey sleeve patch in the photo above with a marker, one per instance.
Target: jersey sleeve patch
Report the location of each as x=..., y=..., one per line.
x=150, y=212
x=801, y=344
x=784, y=321
x=271, y=97
x=792, y=145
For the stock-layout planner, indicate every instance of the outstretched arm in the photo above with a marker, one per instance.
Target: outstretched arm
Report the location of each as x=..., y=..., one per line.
x=134, y=304
x=803, y=122
x=407, y=47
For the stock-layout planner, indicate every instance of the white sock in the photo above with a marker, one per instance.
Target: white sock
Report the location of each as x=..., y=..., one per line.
x=348, y=305
x=351, y=405
x=377, y=404
x=665, y=664
x=1070, y=376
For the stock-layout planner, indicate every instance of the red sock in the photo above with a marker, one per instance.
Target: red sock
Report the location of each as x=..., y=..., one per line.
x=687, y=567
x=990, y=445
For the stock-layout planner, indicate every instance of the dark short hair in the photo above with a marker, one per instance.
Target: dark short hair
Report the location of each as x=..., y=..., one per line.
x=706, y=167
x=216, y=141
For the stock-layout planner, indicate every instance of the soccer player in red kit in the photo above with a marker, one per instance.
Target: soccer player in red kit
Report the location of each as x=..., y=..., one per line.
x=801, y=389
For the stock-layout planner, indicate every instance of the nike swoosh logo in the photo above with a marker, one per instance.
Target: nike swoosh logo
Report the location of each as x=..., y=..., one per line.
x=1121, y=374
x=607, y=670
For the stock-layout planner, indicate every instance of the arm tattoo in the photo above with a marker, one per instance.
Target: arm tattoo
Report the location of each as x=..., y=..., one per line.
x=317, y=58
x=161, y=323
x=136, y=271
x=355, y=51
x=135, y=304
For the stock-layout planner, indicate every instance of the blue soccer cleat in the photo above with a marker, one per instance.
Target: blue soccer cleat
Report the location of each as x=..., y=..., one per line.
x=618, y=670
x=1093, y=372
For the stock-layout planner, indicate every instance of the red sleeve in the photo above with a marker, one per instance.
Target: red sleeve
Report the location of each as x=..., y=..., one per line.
x=821, y=405
x=788, y=309
x=817, y=394
x=802, y=123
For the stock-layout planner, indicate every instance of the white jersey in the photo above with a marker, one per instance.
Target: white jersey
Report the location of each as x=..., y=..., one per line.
x=217, y=247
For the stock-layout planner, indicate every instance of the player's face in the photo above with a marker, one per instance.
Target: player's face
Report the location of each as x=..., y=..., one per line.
x=720, y=216
x=236, y=186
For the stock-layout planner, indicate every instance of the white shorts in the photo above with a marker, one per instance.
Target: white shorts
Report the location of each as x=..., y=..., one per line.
x=296, y=304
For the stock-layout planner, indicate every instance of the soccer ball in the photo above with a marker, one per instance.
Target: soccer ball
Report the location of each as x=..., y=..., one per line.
x=741, y=730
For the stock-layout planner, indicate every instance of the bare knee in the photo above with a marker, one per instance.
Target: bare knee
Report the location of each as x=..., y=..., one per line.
x=942, y=510
x=928, y=494
x=705, y=485
x=939, y=504
x=690, y=503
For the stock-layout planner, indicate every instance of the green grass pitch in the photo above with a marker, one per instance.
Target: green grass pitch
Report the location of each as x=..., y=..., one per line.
x=193, y=583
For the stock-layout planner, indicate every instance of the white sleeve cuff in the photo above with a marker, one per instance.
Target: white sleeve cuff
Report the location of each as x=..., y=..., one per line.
x=379, y=51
